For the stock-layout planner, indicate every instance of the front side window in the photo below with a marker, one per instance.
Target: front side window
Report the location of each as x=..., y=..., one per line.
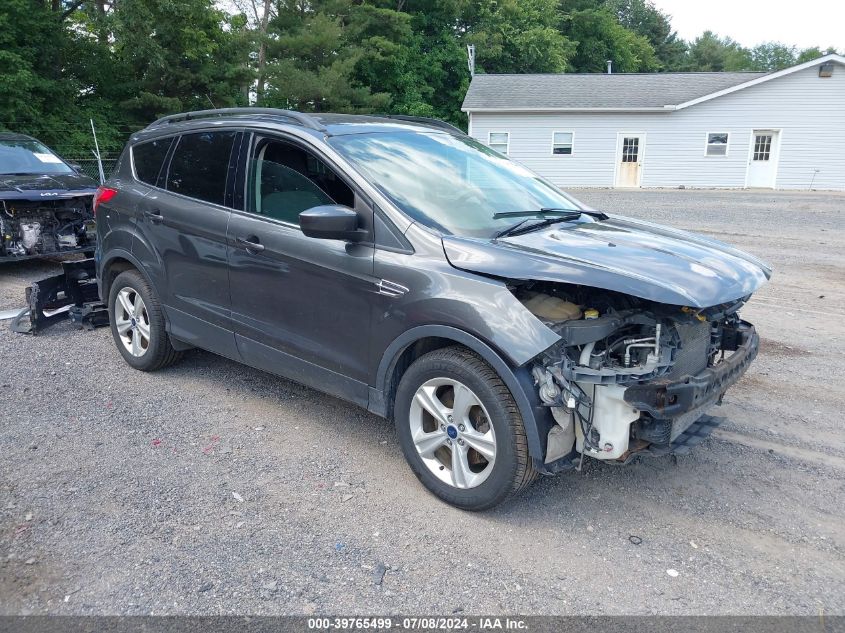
x=499, y=141
x=452, y=183
x=285, y=180
x=562, y=142
x=717, y=144
x=26, y=156
x=200, y=166
x=148, y=158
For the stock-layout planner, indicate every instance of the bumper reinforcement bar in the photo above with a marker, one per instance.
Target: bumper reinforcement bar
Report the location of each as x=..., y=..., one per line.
x=672, y=398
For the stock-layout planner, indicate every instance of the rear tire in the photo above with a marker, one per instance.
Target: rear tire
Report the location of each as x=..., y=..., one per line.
x=460, y=430
x=137, y=323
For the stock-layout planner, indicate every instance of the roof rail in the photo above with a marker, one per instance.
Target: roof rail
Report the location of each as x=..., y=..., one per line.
x=298, y=117
x=423, y=119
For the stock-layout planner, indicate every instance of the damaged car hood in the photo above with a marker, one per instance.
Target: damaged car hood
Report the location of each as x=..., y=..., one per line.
x=620, y=254
x=45, y=187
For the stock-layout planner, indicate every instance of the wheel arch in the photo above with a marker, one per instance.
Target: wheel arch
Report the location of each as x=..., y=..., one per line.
x=420, y=340
x=117, y=262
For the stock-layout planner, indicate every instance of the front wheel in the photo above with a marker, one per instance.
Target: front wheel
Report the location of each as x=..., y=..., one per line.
x=461, y=431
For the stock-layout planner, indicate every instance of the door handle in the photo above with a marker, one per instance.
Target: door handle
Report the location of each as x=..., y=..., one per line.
x=153, y=216
x=250, y=243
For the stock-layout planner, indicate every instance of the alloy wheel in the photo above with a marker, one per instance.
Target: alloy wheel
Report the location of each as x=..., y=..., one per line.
x=452, y=433
x=132, y=321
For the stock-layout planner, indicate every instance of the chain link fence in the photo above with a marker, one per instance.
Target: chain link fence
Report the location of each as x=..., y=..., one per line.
x=88, y=166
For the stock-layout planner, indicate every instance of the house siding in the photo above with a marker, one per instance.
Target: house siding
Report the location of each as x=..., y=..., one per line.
x=809, y=112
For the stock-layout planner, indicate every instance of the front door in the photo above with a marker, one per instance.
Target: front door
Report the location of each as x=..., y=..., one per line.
x=763, y=159
x=300, y=305
x=630, y=160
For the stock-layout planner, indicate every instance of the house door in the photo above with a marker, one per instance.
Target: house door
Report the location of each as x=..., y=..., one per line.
x=763, y=159
x=630, y=160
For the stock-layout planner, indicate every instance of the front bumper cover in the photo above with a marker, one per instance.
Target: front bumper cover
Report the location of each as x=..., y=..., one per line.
x=672, y=398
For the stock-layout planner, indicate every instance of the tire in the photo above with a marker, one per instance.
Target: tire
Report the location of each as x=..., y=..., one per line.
x=433, y=382
x=128, y=329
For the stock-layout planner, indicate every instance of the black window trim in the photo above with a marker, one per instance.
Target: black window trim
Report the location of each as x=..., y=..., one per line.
x=254, y=137
x=165, y=161
x=162, y=177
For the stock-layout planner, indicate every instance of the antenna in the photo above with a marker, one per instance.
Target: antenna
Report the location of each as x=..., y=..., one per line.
x=97, y=153
x=471, y=59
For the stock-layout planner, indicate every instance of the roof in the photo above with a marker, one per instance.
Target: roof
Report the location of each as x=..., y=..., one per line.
x=609, y=92
x=600, y=91
x=316, y=123
x=14, y=136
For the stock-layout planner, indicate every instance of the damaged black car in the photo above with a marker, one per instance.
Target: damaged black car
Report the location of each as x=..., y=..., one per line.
x=507, y=329
x=45, y=204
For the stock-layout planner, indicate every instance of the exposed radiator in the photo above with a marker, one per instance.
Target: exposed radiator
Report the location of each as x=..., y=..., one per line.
x=691, y=357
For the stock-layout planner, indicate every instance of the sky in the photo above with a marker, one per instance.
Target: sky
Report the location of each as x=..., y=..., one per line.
x=751, y=22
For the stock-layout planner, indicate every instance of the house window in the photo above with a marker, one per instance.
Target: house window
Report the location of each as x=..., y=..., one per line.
x=499, y=141
x=717, y=144
x=762, y=146
x=562, y=142
x=630, y=149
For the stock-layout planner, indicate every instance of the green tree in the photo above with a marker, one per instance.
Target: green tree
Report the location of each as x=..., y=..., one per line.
x=710, y=53
x=809, y=54
x=312, y=65
x=176, y=55
x=520, y=36
x=600, y=37
x=773, y=56
x=643, y=18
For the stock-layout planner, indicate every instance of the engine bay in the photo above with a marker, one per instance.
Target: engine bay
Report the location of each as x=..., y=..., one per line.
x=610, y=342
x=37, y=228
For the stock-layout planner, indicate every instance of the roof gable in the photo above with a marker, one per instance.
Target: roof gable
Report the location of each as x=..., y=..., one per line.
x=615, y=92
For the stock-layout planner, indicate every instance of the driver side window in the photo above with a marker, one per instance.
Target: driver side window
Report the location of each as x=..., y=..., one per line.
x=285, y=180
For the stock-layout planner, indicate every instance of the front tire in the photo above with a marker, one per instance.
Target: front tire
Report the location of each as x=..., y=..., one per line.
x=460, y=430
x=137, y=323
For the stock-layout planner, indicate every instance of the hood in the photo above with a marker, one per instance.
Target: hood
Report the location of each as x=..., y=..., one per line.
x=629, y=256
x=45, y=187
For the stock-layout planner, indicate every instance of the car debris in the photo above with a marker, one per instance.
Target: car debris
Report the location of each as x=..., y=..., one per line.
x=69, y=295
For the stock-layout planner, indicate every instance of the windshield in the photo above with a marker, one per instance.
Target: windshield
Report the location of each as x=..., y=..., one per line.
x=454, y=184
x=26, y=156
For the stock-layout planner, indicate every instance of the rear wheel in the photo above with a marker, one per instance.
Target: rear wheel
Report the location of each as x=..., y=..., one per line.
x=137, y=323
x=461, y=431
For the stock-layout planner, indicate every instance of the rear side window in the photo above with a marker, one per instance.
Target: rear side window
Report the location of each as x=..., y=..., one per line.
x=200, y=165
x=148, y=158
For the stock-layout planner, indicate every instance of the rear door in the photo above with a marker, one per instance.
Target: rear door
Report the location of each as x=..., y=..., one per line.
x=300, y=306
x=182, y=226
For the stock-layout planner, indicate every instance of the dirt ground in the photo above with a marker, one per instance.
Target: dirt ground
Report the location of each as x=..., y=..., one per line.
x=214, y=488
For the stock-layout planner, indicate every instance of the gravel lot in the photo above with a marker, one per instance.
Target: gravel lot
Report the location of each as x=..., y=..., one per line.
x=214, y=488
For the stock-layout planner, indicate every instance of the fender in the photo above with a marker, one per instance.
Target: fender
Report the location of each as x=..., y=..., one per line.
x=119, y=253
x=113, y=254
x=536, y=418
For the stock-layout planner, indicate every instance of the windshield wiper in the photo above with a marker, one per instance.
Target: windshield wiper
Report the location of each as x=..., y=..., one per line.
x=521, y=226
x=516, y=214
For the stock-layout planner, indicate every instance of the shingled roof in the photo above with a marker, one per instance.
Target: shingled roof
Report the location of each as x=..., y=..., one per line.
x=620, y=91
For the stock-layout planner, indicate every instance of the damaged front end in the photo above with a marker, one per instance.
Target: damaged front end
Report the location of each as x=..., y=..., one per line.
x=631, y=375
x=47, y=226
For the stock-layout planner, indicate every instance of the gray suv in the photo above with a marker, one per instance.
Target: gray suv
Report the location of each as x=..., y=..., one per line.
x=507, y=329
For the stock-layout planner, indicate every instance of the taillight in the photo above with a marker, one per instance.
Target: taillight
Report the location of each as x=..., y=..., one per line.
x=104, y=194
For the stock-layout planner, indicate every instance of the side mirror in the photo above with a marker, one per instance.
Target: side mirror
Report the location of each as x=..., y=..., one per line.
x=331, y=222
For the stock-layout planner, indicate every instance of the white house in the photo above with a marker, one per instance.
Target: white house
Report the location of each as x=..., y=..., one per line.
x=783, y=130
